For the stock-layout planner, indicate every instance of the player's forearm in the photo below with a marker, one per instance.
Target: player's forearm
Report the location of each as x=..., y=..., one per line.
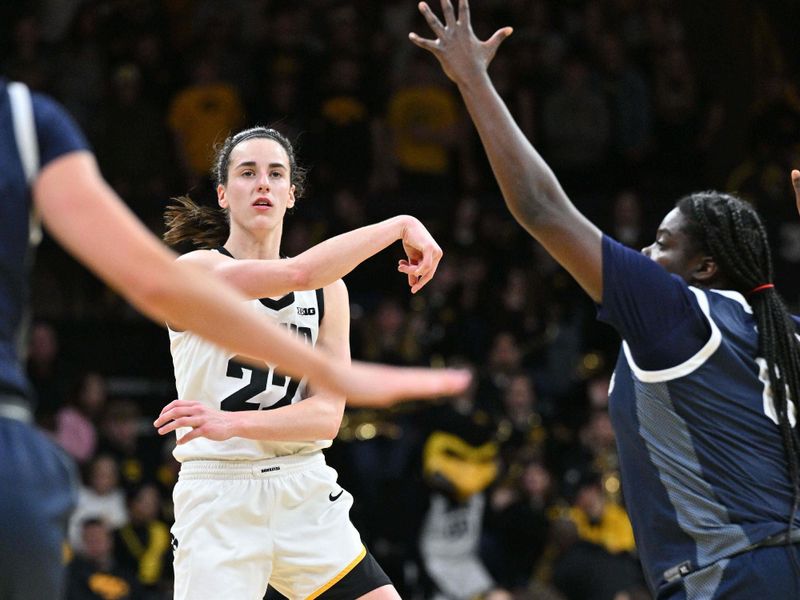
x=334, y=258
x=315, y=268
x=529, y=186
x=315, y=418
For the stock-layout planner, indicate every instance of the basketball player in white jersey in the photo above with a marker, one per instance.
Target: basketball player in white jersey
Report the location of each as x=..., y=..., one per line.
x=255, y=502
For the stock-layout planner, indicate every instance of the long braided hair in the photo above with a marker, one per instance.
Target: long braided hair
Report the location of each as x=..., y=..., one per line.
x=731, y=231
x=209, y=227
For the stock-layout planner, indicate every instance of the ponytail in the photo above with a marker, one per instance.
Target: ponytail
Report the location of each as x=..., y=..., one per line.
x=203, y=226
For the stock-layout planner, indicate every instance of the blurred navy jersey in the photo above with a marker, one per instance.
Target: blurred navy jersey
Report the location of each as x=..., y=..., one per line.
x=57, y=135
x=703, y=467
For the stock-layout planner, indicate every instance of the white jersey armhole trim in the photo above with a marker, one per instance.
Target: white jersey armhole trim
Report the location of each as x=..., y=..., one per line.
x=688, y=366
x=27, y=146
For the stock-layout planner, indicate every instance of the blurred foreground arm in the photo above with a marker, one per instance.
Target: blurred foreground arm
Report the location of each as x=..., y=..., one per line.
x=85, y=215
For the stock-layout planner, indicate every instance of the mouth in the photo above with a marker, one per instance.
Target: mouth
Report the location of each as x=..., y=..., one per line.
x=262, y=203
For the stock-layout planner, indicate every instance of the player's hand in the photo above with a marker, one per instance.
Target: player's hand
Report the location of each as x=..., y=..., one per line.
x=462, y=55
x=205, y=421
x=422, y=255
x=796, y=186
x=381, y=386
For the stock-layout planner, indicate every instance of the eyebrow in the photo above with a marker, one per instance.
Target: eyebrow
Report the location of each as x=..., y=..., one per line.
x=252, y=163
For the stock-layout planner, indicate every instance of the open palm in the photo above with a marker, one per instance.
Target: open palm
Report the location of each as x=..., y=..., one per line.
x=462, y=55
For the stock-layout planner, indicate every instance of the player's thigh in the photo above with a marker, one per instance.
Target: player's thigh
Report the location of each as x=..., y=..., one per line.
x=39, y=490
x=386, y=592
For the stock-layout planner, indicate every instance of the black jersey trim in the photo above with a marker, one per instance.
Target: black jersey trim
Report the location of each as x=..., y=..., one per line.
x=320, y=305
x=279, y=303
x=224, y=250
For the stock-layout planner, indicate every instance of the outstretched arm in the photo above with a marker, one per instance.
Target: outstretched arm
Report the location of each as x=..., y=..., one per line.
x=85, y=215
x=531, y=190
x=330, y=260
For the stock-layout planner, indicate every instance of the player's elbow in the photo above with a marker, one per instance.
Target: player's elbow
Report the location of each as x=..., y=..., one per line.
x=332, y=420
x=331, y=430
x=299, y=275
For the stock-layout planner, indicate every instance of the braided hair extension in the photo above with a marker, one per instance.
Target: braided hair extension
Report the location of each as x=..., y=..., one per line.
x=208, y=227
x=731, y=231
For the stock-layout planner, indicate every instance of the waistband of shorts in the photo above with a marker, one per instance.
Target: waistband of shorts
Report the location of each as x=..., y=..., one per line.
x=249, y=469
x=15, y=407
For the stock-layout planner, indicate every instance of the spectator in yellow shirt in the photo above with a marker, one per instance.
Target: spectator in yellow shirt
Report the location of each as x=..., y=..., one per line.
x=201, y=115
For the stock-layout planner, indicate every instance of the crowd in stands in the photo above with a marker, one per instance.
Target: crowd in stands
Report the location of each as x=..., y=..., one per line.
x=510, y=491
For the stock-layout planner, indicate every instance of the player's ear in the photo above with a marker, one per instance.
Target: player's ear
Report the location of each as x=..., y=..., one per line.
x=221, y=199
x=290, y=203
x=706, y=272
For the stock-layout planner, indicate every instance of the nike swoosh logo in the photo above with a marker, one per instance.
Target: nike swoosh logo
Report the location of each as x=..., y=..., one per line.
x=333, y=498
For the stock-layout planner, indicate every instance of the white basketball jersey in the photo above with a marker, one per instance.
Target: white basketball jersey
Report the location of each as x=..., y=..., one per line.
x=209, y=374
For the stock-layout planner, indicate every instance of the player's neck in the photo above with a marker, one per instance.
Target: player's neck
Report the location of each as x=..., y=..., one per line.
x=242, y=244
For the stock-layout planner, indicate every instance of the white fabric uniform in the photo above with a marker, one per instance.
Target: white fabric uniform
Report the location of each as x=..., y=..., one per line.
x=213, y=376
x=248, y=512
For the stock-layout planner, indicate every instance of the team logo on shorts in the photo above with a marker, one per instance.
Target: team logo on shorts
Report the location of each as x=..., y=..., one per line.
x=333, y=498
x=306, y=310
x=174, y=542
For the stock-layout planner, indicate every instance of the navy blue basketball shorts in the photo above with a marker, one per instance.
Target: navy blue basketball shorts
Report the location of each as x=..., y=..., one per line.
x=38, y=491
x=763, y=573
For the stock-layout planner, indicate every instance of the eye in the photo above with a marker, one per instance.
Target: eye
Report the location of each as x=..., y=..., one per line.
x=276, y=174
x=248, y=173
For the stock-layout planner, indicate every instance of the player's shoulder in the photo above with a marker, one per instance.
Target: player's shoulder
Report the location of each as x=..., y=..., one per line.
x=204, y=257
x=336, y=292
x=728, y=303
x=57, y=132
x=50, y=113
x=336, y=287
x=333, y=298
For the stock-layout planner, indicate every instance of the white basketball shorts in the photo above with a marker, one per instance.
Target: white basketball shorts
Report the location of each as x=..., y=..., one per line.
x=240, y=525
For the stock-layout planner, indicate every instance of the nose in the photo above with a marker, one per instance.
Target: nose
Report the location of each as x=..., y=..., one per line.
x=647, y=250
x=263, y=182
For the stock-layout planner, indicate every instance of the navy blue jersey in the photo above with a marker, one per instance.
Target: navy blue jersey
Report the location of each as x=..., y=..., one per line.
x=57, y=135
x=703, y=467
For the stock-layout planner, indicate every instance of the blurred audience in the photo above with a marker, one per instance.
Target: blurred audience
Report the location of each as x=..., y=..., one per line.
x=94, y=573
x=77, y=420
x=101, y=496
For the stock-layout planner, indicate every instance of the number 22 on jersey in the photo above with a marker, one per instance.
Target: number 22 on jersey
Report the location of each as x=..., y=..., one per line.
x=260, y=380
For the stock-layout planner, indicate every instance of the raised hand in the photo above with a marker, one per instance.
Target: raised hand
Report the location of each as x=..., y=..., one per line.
x=796, y=186
x=461, y=54
x=422, y=255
